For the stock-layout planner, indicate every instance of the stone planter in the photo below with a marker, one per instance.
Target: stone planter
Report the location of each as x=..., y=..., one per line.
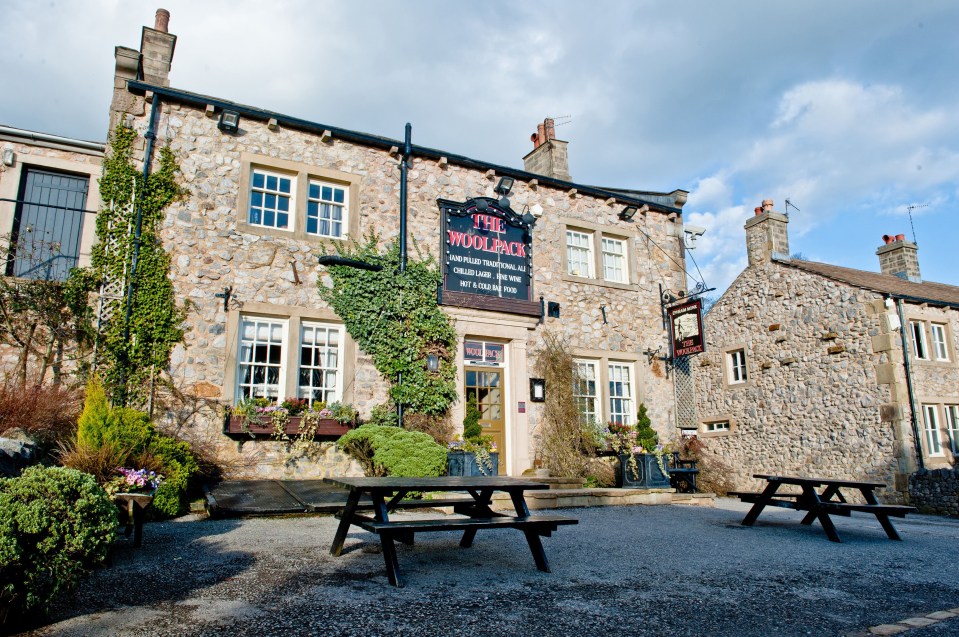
x=463, y=464
x=240, y=426
x=647, y=475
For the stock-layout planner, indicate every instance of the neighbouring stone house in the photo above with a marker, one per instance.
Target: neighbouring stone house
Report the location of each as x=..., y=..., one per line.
x=805, y=371
x=49, y=198
x=268, y=193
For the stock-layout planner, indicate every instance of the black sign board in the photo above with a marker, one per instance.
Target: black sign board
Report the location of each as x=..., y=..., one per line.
x=487, y=257
x=686, y=328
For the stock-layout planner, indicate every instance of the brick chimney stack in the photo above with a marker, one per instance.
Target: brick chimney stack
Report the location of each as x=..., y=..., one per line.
x=898, y=257
x=766, y=235
x=549, y=156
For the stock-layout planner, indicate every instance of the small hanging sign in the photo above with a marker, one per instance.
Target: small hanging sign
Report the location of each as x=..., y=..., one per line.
x=686, y=328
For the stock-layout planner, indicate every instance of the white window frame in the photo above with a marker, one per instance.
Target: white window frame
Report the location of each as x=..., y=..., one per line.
x=265, y=192
x=615, y=268
x=939, y=347
x=737, y=369
x=331, y=346
x=584, y=399
x=622, y=392
x=716, y=426
x=276, y=336
x=323, y=204
x=931, y=435
x=579, y=244
x=952, y=426
x=917, y=334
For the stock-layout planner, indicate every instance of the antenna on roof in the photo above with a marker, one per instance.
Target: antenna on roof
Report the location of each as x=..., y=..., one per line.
x=788, y=204
x=909, y=209
x=559, y=120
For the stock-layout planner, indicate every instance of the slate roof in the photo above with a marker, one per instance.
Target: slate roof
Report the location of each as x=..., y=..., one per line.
x=924, y=292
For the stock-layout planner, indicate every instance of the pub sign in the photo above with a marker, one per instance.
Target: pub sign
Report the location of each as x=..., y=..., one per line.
x=686, y=328
x=487, y=257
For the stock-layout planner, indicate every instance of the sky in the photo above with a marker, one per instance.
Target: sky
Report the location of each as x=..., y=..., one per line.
x=848, y=109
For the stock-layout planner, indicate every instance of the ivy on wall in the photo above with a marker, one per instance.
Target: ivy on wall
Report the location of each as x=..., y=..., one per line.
x=393, y=317
x=127, y=364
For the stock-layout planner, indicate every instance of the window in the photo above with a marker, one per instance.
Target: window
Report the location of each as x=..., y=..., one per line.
x=952, y=426
x=939, y=341
x=736, y=367
x=319, y=363
x=918, y=340
x=270, y=196
x=711, y=427
x=614, y=260
x=930, y=421
x=326, y=208
x=584, y=390
x=260, y=361
x=621, y=409
x=579, y=253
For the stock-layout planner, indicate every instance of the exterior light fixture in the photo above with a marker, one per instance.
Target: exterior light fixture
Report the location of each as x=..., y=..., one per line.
x=504, y=186
x=432, y=363
x=229, y=122
x=628, y=213
x=537, y=390
x=335, y=259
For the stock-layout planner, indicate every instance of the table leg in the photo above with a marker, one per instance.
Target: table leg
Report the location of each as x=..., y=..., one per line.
x=810, y=499
x=884, y=520
x=479, y=509
x=827, y=525
x=138, y=515
x=389, y=556
x=761, y=503
x=346, y=519
x=532, y=537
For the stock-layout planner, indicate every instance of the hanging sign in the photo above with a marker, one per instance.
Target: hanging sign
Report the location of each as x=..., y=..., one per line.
x=686, y=328
x=487, y=257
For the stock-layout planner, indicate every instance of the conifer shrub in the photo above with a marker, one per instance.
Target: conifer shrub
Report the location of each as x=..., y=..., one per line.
x=56, y=524
x=391, y=451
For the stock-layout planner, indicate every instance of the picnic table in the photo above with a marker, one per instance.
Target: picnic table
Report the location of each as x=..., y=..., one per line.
x=388, y=494
x=821, y=504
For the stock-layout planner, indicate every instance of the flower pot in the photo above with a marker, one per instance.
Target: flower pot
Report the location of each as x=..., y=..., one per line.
x=238, y=425
x=647, y=474
x=464, y=464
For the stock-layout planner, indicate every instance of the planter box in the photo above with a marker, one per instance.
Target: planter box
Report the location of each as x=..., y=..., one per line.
x=648, y=474
x=463, y=464
x=238, y=425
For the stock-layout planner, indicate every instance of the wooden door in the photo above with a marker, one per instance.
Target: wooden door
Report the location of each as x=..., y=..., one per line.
x=485, y=385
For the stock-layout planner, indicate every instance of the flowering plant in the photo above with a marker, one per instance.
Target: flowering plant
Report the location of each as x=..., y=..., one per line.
x=134, y=481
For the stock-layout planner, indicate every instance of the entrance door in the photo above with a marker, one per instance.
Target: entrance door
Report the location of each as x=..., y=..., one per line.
x=485, y=386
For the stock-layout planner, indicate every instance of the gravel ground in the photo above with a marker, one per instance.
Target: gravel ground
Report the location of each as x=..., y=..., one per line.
x=659, y=570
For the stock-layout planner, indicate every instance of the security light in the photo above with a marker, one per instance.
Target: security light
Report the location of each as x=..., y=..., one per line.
x=229, y=122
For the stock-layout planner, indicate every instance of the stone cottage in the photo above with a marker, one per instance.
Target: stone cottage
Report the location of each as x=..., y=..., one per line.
x=268, y=193
x=817, y=369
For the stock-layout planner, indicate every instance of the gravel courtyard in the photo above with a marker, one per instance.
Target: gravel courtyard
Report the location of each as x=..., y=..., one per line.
x=656, y=570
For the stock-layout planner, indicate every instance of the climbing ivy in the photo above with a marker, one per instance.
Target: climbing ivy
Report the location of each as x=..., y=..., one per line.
x=393, y=317
x=127, y=364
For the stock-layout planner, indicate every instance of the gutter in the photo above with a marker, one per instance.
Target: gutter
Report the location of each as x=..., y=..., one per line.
x=909, y=388
x=51, y=139
x=387, y=144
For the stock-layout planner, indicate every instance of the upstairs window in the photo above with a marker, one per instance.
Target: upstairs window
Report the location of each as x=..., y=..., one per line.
x=326, y=210
x=918, y=336
x=614, y=260
x=736, y=367
x=579, y=253
x=270, y=198
x=939, y=349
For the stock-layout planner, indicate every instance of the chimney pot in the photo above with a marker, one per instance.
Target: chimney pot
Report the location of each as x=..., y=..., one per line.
x=900, y=237
x=758, y=210
x=162, y=21
x=886, y=239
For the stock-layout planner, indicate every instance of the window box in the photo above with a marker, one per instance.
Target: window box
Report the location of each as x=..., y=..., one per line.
x=647, y=475
x=240, y=426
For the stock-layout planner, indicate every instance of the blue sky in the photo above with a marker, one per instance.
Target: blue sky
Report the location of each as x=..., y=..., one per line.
x=850, y=109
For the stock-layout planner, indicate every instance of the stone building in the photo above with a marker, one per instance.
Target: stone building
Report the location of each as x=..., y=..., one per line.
x=816, y=369
x=268, y=193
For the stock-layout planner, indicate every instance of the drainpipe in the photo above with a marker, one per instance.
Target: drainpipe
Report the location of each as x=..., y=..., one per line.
x=909, y=388
x=404, y=168
x=147, y=161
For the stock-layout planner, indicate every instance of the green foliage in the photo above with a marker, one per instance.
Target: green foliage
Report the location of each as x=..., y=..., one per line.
x=55, y=525
x=127, y=363
x=383, y=415
x=392, y=451
x=178, y=465
x=472, y=431
x=394, y=318
x=646, y=436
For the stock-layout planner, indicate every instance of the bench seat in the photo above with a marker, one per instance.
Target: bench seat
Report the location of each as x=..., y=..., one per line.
x=845, y=508
x=542, y=524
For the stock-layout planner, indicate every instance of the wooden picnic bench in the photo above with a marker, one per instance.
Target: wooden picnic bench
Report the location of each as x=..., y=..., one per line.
x=819, y=505
x=682, y=473
x=389, y=494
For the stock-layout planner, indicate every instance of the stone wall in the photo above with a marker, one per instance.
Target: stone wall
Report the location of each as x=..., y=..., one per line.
x=211, y=252
x=935, y=491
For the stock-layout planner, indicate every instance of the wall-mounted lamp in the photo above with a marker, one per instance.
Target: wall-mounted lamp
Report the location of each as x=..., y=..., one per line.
x=9, y=157
x=502, y=188
x=229, y=122
x=628, y=213
x=552, y=309
x=432, y=363
x=537, y=390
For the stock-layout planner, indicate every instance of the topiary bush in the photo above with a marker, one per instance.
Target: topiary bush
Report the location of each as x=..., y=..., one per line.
x=56, y=524
x=391, y=451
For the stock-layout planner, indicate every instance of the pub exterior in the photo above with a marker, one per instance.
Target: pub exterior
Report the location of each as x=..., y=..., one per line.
x=269, y=193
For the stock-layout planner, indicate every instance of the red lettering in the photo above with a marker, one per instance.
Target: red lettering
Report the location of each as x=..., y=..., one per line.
x=489, y=223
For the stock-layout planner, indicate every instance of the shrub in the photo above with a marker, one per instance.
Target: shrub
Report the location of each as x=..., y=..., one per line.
x=47, y=412
x=646, y=436
x=384, y=450
x=55, y=525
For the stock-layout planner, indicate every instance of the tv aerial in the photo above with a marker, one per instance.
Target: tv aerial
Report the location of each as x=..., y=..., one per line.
x=909, y=209
x=790, y=204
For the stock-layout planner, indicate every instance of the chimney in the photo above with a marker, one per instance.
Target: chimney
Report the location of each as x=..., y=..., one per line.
x=156, y=50
x=549, y=156
x=898, y=258
x=766, y=235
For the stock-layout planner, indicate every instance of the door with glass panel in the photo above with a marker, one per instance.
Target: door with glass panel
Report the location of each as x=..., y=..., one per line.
x=485, y=386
